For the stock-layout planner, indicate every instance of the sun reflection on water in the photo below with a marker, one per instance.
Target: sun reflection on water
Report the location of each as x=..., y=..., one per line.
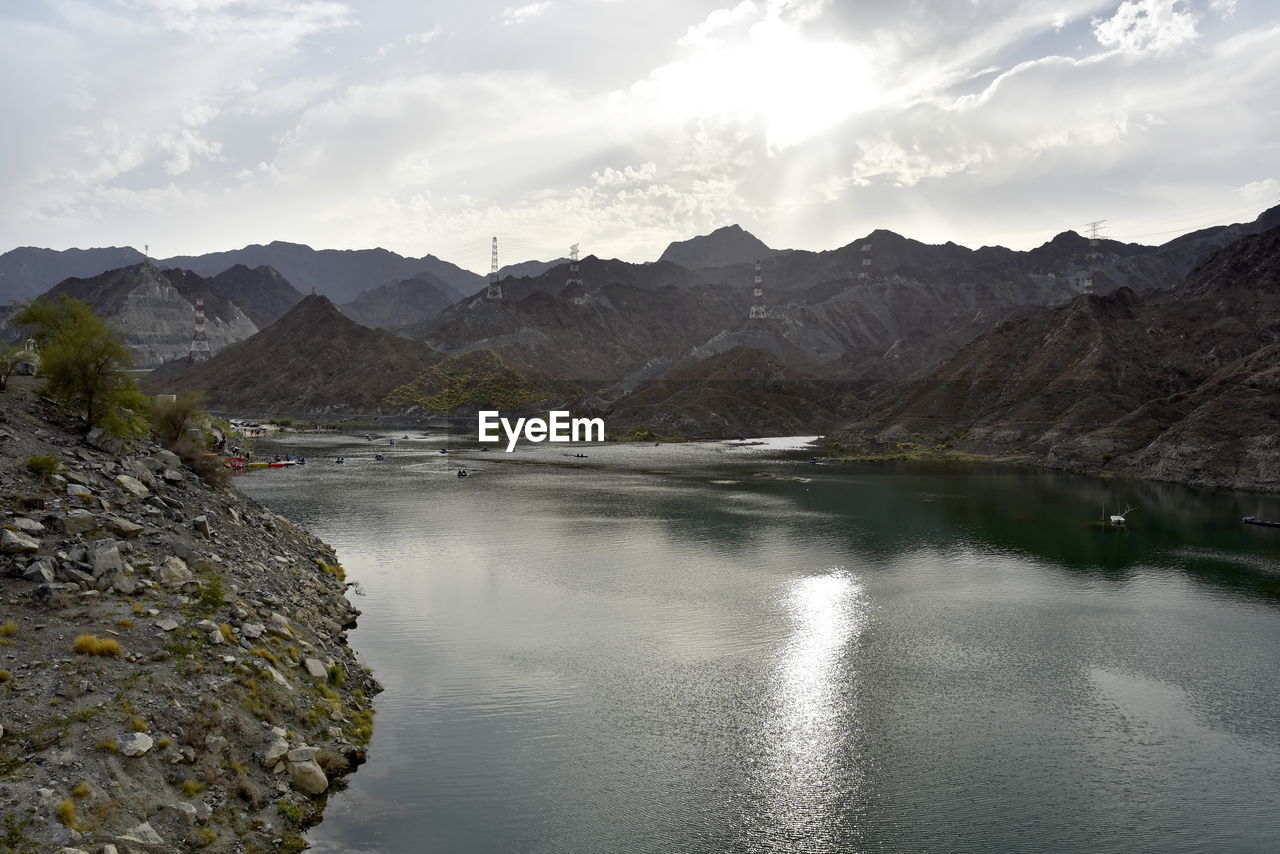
x=810, y=775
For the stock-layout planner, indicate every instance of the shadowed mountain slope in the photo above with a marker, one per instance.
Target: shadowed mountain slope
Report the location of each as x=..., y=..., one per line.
x=312, y=361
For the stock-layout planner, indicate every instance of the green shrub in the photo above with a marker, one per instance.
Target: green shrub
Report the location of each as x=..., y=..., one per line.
x=44, y=466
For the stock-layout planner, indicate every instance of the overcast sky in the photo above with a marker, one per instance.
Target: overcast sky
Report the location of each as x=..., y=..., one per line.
x=197, y=125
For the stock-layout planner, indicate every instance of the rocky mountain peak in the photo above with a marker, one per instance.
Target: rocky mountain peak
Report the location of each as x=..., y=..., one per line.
x=730, y=244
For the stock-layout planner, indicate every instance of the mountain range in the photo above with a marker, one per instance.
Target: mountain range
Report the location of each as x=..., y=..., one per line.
x=883, y=343
x=1177, y=384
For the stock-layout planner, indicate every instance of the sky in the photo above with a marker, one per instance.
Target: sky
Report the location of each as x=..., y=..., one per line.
x=427, y=127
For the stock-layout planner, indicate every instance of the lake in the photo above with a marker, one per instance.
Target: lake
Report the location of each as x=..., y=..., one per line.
x=717, y=647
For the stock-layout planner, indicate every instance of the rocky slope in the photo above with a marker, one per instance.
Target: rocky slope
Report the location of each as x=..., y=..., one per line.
x=314, y=361
x=1178, y=385
x=721, y=248
x=174, y=674
x=27, y=271
x=402, y=303
x=155, y=310
x=739, y=392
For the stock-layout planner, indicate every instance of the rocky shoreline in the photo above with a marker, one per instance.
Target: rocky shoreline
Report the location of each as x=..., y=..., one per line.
x=174, y=673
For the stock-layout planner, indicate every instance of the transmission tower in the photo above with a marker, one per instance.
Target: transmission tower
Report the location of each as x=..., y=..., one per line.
x=574, y=282
x=1093, y=255
x=866, y=262
x=757, y=297
x=495, y=289
x=199, y=340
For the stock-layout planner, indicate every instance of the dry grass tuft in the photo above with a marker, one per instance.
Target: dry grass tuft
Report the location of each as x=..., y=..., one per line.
x=94, y=645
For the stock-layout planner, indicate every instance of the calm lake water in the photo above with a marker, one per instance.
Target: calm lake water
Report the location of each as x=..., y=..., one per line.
x=719, y=648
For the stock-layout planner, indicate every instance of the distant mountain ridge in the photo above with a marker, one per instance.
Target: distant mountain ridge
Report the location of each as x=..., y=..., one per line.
x=29, y=271
x=721, y=248
x=402, y=303
x=340, y=274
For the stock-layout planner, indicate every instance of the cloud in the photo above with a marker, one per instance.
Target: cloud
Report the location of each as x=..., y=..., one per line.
x=520, y=14
x=610, y=177
x=413, y=40
x=718, y=20
x=1147, y=25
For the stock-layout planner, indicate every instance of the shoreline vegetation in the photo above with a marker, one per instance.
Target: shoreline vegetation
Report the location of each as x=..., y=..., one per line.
x=174, y=667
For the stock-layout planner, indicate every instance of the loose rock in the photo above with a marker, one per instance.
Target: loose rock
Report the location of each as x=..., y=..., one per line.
x=136, y=744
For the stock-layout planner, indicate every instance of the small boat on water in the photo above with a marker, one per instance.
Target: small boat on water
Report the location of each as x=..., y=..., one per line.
x=391, y=441
x=378, y=458
x=463, y=473
x=340, y=460
x=279, y=464
x=444, y=450
x=1265, y=523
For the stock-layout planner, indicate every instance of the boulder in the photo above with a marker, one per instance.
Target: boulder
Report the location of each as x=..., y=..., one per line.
x=78, y=522
x=16, y=542
x=142, y=834
x=315, y=669
x=308, y=777
x=173, y=572
x=27, y=526
x=42, y=571
x=78, y=492
x=201, y=524
x=122, y=527
x=187, y=811
x=167, y=459
x=104, y=557
x=124, y=585
x=167, y=624
x=104, y=441
x=132, y=485
x=275, y=752
x=136, y=744
x=302, y=754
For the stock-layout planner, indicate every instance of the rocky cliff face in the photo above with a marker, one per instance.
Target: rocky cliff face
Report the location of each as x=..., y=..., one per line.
x=174, y=674
x=155, y=311
x=1177, y=384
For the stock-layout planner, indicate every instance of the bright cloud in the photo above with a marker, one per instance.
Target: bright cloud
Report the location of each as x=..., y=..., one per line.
x=1142, y=25
x=520, y=14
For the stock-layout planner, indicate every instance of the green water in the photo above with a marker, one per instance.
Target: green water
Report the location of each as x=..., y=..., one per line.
x=715, y=648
